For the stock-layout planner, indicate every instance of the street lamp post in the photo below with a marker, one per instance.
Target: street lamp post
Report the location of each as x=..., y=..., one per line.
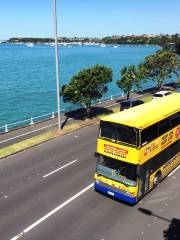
x=57, y=64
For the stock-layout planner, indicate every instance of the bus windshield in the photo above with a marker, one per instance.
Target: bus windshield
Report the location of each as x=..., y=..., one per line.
x=118, y=133
x=117, y=170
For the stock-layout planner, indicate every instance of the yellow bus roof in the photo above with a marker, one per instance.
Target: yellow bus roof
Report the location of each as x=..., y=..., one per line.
x=148, y=113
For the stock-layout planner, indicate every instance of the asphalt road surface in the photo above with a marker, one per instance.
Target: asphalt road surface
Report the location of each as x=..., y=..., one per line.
x=46, y=193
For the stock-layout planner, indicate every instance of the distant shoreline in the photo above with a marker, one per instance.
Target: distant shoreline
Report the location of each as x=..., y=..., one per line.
x=116, y=40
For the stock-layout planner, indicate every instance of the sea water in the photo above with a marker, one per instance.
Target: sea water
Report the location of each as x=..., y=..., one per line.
x=28, y=78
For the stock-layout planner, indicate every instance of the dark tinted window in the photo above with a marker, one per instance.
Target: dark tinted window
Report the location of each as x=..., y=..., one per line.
x=134, y=104
x=175, y=120
x=168, y=93
x=149, y=134
x=164, y=156
x=130, y=103
x=126, y=134
x=137, y=102
x=118, y=132
x=122, y=169
x=158, y=95
x=125, y=104
x=107, y=130
x=164, y=126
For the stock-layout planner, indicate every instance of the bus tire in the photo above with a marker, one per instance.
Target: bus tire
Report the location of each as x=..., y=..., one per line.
x=157, y=179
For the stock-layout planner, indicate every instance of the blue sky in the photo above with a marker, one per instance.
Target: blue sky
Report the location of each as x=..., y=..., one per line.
x=89, y=18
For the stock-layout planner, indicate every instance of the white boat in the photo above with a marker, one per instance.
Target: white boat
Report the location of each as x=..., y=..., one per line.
x=103, y=45
x=115, y=46
x=30, y=44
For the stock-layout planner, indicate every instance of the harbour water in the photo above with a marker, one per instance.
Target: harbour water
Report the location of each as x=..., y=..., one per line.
x=27, y=74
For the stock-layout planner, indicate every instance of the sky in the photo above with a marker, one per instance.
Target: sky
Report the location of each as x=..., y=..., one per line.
x=88, y=18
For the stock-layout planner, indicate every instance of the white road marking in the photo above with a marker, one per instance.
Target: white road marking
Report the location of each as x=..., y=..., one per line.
x=60, y=168
x=52, y=212
x=174, y=171
x=24, y=134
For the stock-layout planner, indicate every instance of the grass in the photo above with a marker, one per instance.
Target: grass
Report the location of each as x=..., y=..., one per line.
x=17, y=147
x=71, y=127
x=147, y=98
x=116, y=108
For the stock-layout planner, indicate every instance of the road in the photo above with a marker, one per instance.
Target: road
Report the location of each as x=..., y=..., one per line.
x=46, y=193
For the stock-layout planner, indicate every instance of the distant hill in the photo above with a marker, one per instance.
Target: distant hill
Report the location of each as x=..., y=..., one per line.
x=160, y=40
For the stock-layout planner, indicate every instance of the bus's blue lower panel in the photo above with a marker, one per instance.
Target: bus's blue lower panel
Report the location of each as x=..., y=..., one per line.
x=131, y=200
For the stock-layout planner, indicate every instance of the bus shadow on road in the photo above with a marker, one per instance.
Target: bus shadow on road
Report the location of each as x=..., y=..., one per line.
x=173, y=231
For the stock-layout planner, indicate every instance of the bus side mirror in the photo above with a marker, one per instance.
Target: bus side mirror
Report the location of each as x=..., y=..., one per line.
x=96, y=154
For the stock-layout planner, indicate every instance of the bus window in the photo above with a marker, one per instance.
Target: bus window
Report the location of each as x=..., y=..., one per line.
x=164, y=126
x=118, y=133
x=175, y=120
x=126, y=134
x=149, y=134
x=107, y=130
x=117, y=170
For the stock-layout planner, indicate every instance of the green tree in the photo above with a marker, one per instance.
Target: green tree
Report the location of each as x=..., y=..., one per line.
x=88, y=85
x=160, y=66
x=174, y=65
x=130, y=77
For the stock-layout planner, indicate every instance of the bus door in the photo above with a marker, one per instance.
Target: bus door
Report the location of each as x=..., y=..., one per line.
x=144, y=179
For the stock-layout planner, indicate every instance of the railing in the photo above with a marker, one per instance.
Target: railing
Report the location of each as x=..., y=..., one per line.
x=33, y=120
x=27, y=122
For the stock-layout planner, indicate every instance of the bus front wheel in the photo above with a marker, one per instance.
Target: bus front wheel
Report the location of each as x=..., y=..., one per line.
x=157, y=179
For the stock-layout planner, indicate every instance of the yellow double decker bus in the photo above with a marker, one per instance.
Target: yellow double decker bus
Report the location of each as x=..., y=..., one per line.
x=137, y=148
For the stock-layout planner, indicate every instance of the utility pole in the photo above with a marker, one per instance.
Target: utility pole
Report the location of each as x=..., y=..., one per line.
x=57, y=64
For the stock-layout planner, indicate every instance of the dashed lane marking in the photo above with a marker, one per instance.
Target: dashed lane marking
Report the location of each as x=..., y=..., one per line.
x=66, y=165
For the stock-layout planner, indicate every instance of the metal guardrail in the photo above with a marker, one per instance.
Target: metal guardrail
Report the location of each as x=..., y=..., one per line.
x=33, y=120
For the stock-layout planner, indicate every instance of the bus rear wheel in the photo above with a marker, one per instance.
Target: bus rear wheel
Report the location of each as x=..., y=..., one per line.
x=157, y=179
